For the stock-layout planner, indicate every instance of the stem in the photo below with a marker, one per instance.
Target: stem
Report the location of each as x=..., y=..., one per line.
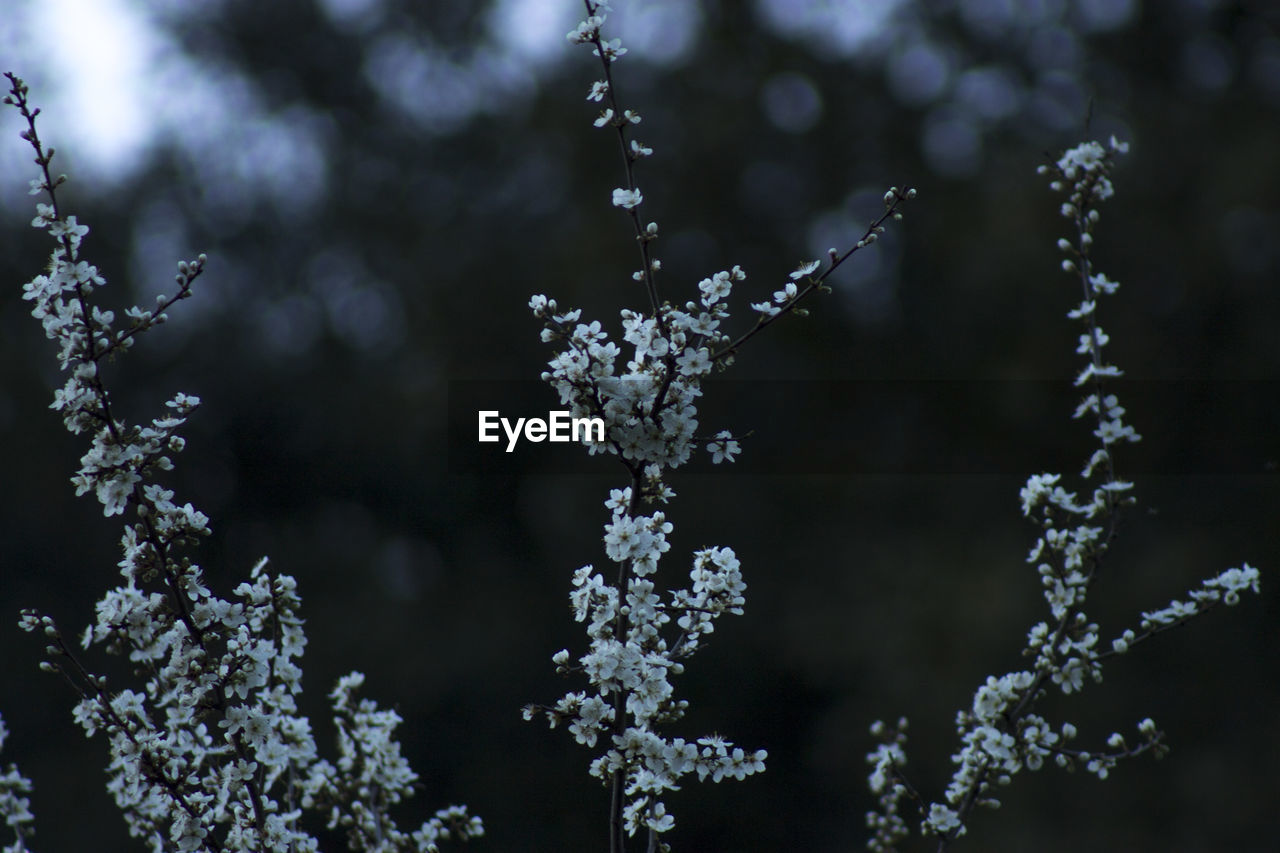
x=620, y=125
x=815, y=283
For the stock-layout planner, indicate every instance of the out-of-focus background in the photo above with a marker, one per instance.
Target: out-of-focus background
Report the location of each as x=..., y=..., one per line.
x=380, y=185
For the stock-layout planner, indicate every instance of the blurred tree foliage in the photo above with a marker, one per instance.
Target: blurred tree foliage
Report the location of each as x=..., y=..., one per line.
x=380, y=186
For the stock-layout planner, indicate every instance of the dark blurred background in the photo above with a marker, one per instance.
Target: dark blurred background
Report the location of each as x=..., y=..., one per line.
x=380, y=185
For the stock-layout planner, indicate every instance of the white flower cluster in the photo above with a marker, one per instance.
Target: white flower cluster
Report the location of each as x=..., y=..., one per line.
x=14, y=807
x=1087, y=166
x=999, y=734
x=631, y=661
x=210, y=753
x=648, y=406
x=888, y=784
x=639, y=634
x=371, y=775
x=1223, y=589
x=119, y=457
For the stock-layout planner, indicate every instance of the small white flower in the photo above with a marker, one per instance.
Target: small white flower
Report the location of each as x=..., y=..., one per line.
x=942, y=819
x=612, y=49
x=715, y=288
x=804, y=269
x=788, y=292
x=724, y=448
x=694, y=362
x=586, y=30
x=627, y=199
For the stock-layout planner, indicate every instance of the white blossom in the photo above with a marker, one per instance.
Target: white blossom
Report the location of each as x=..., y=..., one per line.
x=626, y=198
x=209, y=744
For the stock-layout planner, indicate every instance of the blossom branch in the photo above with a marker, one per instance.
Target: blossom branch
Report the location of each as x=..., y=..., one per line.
x=650, y=415
x=212, y=667
x=999, y=733
x=630, y=197
x=789, y=298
